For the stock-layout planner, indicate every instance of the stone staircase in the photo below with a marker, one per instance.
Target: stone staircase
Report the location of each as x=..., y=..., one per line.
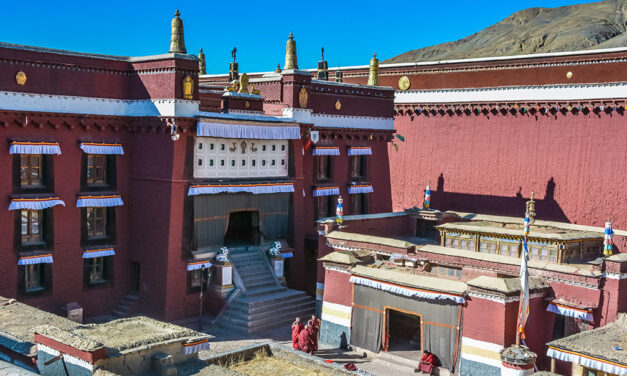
x=263, y=303
x=125, y=306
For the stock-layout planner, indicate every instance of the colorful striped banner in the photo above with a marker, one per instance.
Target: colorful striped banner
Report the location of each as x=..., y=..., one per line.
x=101, y=148
x=359, y=150
x=39, y=259
x=360, y=188
x=18, y=147
x=99, y=201
x=326, y=191
x=195, y=265
x=326, y=150
x=94, y=253
x=35, y=203
x=265, y=188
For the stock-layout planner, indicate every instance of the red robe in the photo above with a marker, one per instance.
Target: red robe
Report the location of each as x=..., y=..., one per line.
x=296, y=329
x=305, y=341
x=314, y=327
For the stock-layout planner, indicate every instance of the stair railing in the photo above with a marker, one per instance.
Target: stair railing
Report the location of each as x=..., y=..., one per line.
x=237, y=279
x=268, y=265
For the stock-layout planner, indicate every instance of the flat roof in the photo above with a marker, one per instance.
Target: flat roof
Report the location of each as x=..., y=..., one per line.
x=505, y=285
x=350, y=236
x=516, y=229
x=600, y=342
x=201, y=115
x=406, y=278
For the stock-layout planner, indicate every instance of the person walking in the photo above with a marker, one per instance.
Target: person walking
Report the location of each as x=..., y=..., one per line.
x=297, y=327
x=314, y=325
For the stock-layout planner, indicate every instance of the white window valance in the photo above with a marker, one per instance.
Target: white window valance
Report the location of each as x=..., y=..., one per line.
x=93, y=253
x=264, y=132
x=196, y=346
x=195, y=265
x=563, y=310
x=18, y=147
x=35, y=203
x=256, y=189
x=102, y=148
x=406, y=291
x=360, y=188
x=39, y=259
x=326, y=191
x=587, y=361
x=99, y=201
x=359, y=150
x=326, y=150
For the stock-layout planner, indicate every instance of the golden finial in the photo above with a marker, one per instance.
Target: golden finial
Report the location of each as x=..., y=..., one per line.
x=531, y=209
x=278, y=68
x=323, y=68
x=290, y=54
x=373, y=74
x=177, y=40
x=202, y=63
x=243, y=83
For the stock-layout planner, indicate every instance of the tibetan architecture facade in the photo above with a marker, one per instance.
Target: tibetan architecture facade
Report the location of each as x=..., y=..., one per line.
x=448, y=283
x=485, y=130
x=125, y=177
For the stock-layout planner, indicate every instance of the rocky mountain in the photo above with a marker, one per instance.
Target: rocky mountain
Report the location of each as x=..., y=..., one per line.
x=536, y=30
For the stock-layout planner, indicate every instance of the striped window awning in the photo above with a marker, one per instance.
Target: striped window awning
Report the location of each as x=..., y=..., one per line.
x=287, y=254
x=359, y=150
x=326, y=150
x=102, y=148
x=326, y=191
x=264, y=188
x=38, y=259
x=195, y=265
x=99, y=201
x=18, y=147
x=35, y=203
x=406, y=291
x=360, y=188
x=196, y=346
x=587, y=361
x=563, y=310
x=103, y=252
x=262, y=132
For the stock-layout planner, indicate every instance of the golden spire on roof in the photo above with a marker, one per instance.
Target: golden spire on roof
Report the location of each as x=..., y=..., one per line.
x=177, y=41
x=373, y=74
x=202, y=64
x=290, y=54
x=531, y=209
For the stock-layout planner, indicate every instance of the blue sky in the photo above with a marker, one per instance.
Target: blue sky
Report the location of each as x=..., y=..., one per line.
x=350, y=31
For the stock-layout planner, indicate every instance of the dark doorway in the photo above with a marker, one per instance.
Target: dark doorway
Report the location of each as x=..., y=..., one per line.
x=134, y=279
x=403, y=331
x=243, y=228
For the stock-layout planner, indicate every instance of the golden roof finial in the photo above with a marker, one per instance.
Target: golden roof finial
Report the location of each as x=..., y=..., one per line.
x=290, y=54
x=278, y=68
x=531, y=209
x=202, y=64
x=177, y=40
x=373, y=74
x=243, y=84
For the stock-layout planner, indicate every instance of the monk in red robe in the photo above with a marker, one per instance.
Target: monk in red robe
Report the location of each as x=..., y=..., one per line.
x=314, y=328
x=297, y=327
x=305, y=341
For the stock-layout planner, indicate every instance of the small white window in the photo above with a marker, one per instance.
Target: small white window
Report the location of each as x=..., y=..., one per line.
x=232, y=162
x=222, y=162
x=282, y=162
x=200, y=145
x=254, y=162
x=243, y=162
x=210, y=146
x=211, y=162
x=200, y=162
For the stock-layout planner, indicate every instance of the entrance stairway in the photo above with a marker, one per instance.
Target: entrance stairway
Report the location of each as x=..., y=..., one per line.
x=264, y=303
x=125, y=307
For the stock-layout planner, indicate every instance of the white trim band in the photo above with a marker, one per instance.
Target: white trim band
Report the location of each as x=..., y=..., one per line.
x=255, y=189
x=35, y=204
x=99, y=201
x=18, y=147
x=360, y=189
x=263, y=132
x=326, y=150
x=378, y=285
x=326, y=191
x=98, y=253
x=95, y=148
x=586, y=361
x=32, y=260
x=359, y=150
x=570, y=312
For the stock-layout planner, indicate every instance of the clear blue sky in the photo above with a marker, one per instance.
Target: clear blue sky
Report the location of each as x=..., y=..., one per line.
x=350, y=31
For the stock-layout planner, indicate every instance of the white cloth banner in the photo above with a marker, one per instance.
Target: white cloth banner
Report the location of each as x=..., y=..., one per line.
x=326, y=191
x=253, y=188
x=587, y=361
x=358, y=150
x=360, y=189
x=287, y=255
x=98, y=253
x=95, y=148
x=322, y=150
x=405, y=291
x=195, y=347
x=35, y=204
x=31, y=260
x=34, y=148
x=198, y=265
x=99, y=201
x=570, y=312
x=262, y=132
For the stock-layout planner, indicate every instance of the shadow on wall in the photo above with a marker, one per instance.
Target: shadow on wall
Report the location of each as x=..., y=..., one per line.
x=546, y=208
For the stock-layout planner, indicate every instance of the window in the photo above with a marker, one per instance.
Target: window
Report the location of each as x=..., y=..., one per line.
x=446, y=271
x=31, y=227
x=541, y=254
x=96, y=169
x=96, y=270
x=324, y=207
x=448, y=242
x=456, y=243
x=198, y=277
x=33, y=278
x=30, y=170
x=96, y=223
x=323, y=167
x=359, y=203
x=358, y=166
x=553, y=255
x=487, y=247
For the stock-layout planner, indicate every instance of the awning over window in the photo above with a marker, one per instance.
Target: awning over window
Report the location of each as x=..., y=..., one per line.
x=326, y=191
x=287, y=254
x=263, y=132
x=256, y=189
x=18, y=147
x=360, y=188
x=326, y=150
x=359, y=150
x=35, y=203
x=196, y=346
x=103, y=252
x=39, y=259
x=406, y=291
x=195, y=265
x=101, y=148
x=99, y=201
x=563, y=310
x=587, y=361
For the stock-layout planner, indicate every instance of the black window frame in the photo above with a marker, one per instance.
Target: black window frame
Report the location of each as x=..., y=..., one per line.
x=45, y=277
x=323, y=161
x=110, y=174
x=363, y=167
x=46, y=175
x=45, y=227
x=107, y=272
x=207, y=279
x=109, y=238
x=319, y=204
x=362, y=199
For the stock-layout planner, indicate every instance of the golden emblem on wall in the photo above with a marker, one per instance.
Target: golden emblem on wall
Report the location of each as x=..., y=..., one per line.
x=302, y=97
x=246, y=104
x=188, y=87
x=338, y=105
x=404, y=83
x=20, y=78
x=569, y=75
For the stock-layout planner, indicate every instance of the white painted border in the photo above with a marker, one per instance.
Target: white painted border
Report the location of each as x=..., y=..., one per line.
x=484, y=346
x=338, y=121
x=326, y=316
x=515, y=93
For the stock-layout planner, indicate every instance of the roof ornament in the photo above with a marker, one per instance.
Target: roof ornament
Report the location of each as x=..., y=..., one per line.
x=278, y=68
x=234, y=53
x=323, y=68
x=290, y=54
x=531, y=209
x=177, y=40
x=373, y=74
x=202, y=64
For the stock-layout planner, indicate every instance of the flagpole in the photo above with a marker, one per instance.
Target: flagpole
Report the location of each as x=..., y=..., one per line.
x=523, y=310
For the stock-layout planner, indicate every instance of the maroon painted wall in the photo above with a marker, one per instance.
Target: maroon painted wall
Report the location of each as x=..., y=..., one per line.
x=491, y=164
